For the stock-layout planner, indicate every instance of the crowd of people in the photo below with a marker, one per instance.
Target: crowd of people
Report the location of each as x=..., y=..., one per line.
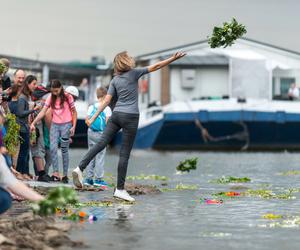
x=47, y=118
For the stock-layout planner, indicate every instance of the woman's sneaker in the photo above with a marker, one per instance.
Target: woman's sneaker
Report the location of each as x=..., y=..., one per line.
x=101, y=184
x=77, y=177
x=88, y=182
x=122, y=194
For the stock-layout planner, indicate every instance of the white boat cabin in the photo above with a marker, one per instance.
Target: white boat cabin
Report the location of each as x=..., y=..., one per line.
x=248, y=69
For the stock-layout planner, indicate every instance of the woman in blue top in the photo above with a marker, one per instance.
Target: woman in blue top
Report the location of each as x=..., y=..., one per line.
x=125, y=116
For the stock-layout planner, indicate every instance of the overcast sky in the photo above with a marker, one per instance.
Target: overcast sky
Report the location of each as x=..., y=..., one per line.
x=64, y=30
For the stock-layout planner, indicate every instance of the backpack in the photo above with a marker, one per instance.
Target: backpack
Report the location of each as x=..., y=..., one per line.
x=100, y=122
x=39, y=92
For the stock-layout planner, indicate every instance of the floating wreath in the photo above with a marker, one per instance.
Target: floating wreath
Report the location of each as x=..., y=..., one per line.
x=187, y=165
x=226, y=35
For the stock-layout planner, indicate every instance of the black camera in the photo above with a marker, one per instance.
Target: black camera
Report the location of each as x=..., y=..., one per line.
x=5, y=97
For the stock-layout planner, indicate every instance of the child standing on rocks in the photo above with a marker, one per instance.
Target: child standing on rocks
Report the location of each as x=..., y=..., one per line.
x=96, y=128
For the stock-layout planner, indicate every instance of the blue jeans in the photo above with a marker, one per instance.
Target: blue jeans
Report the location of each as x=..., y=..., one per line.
x=61, y=131
x=23, y=158
x=5, y=200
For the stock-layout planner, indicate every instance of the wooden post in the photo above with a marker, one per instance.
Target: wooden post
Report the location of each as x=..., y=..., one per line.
x=165, y=85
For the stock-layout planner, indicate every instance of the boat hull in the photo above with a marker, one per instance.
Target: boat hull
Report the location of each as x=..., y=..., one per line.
x=145, y=137
x=231, y=130
x=262, y=136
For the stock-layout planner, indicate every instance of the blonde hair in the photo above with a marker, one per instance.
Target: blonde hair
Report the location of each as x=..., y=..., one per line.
x=101, y=92
x=123, y=62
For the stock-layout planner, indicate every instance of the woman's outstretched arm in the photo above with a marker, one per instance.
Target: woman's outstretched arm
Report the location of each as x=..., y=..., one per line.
x=164, y=63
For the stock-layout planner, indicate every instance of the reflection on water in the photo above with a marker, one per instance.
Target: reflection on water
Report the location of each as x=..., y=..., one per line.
x=123, y=216
x=178, y=220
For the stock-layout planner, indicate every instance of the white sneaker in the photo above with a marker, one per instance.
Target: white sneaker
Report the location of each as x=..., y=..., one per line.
x=122, y=194
x=77, y=177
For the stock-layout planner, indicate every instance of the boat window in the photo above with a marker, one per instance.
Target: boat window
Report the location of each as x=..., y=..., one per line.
x=285, y=83
x=153, y=113
x=280, y=87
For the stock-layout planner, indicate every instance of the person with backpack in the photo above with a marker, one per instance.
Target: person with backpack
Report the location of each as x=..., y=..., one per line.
x=64, y=119
x=96, y=128
x=37, y=144
x=46, y=129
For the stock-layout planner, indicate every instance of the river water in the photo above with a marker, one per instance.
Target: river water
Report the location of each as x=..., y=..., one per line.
x=179, y=220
